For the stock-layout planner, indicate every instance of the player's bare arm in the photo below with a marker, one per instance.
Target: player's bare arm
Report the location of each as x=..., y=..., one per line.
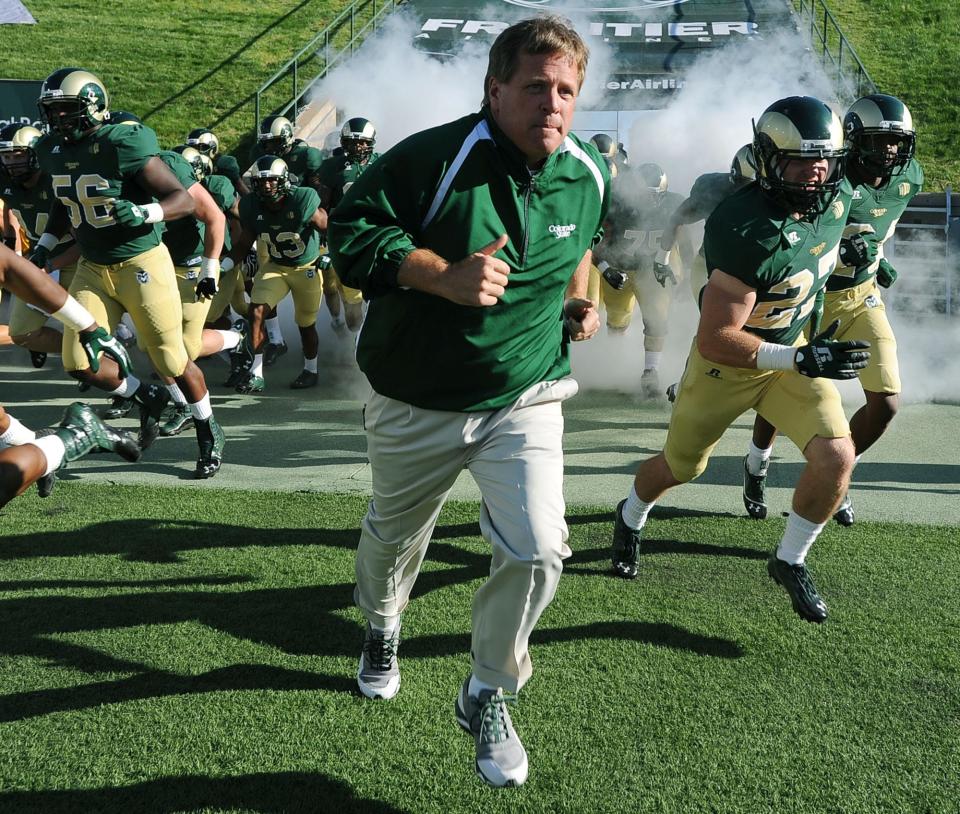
x=727, y=304
x=211, y=216
x=157, y=179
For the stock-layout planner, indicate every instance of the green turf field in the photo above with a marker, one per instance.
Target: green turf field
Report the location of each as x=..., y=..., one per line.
x=200, y=654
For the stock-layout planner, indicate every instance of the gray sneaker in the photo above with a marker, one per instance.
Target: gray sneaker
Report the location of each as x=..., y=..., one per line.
x=501, y=758
x=379, y=674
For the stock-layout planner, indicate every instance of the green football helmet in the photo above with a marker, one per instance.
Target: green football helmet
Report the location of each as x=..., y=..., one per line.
x=199, y=163
x=873, y=125
x=270, y=178
x=357, y=137
x=73, y=103
x=18, y=159
x=205, y=141
x=654, y=179
x=275, y=136
x=743, y=170
x=123, y=117
x=607, y=147
x=798, y=128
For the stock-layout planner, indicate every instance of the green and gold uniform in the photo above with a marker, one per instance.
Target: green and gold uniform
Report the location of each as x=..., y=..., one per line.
x=853, y=296
x=31, y=206
x=786, y=262
x=121, y=269
x=230, y=287
x=292, y=245
x=706, y=194
x=302, y=160
x=337, y=174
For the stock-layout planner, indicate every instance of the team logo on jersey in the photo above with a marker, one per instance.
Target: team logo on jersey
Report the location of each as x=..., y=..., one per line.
x=94, y=149
x=560, y=231
x=143, y=277
x=55, y=150
x=793, y=238
x=838, y=209
x=817, y=250
x=878, y=213
x=289, y=215
x=72, y=165
x=713, y=373
x=904, y=189
x=856, y=194
x=8, y=191
x=871, y=301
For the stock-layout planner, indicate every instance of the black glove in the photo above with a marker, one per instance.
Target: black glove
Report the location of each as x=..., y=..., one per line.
x=206, y=289
x=816, y=315
x=830, y=358
x=886, y=274
x=858, y=250
x=39, y=256
x=614, y=277
x=662, y=273
x=10, y=242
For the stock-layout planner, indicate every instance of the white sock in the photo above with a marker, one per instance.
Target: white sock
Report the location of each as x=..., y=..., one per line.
x=257, y=367
x=477, y=686
x=16, y=434
x=202, y=410
x=230, y=339
x=176, y=394
x=310, y=365
x=635, y=510
x=338, y=321
x=651, y=359
x=127, y=387
x=798, y=537
x=274, y=332
x=53, y=450
x=389, y=631
x=757, y=458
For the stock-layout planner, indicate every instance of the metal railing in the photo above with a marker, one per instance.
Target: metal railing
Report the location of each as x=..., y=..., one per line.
x=336, y=42
x=837, y=55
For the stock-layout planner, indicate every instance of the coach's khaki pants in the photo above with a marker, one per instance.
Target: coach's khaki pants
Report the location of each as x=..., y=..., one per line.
x=515, y=456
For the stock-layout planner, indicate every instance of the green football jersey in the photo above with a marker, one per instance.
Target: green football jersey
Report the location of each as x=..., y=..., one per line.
x=707, y=192
x=338, y=174
x=290, y=238
x=87, y=176
x=31, y=208
x=184, y=236
x=786, y=261
x=302, y=160
x=222, y=191
x=877, y=210
x=635, y=222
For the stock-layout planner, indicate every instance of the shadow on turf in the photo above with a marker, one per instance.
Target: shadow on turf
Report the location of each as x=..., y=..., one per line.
x=262, y=792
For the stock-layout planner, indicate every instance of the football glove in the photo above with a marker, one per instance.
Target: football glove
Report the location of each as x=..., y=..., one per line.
x=858, y=250
x=661, y=269
x=251, y=264
x=886, y=274
x=39, y=256
x=131, y=215
x=99, y=341
x=207, y=284
x=615, y=278
x=10, y=242
x=831, y=358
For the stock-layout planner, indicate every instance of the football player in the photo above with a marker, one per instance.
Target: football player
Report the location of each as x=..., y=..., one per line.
x=770, y=249
x=206, y=143
x=337, y=174
x=275, y=137
x=114, y=192
x=885, y=176
x=25, y=191
x=286, y=220
x=639, y=212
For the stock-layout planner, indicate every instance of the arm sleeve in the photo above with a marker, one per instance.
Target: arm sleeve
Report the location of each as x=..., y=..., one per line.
x=135, y=146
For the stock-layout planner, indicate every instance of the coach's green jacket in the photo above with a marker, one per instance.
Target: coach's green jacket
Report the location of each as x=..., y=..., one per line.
x=454, y=189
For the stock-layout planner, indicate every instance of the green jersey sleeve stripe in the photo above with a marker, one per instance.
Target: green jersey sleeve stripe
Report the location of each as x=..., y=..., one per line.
x=479, y=133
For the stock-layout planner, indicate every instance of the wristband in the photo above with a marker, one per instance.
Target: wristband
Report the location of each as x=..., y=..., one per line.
x=602, y=266
x=663, y=258
x=74, y=315
x=153, y=212
x=209, y=266
x=226, y=265
x=771, y=356
x=48, y=241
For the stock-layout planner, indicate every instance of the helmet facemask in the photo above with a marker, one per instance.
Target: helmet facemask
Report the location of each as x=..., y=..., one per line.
x=357, y=150
x=805, y=197
x=870, y=149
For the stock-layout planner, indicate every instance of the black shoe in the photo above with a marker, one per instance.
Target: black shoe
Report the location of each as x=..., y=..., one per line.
x=83, y=432
x=151, y=399
x=626, y=546
x=38, y=358
x=176, y=418
x=272, y=352
x=671, y=392
x=798, y=583
x=754, y=498
x=844, y=515
x=46, y=483
x=118, y=408
x=241, y=357
x=304, y=380
x=211, y=440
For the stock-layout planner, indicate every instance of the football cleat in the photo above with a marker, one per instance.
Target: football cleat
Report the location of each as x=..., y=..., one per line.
x=250, y=384
x=307, y=378
x=798, y=584
x=241, y=357
x=83, y=432
x=272, y=352
x=844, y=514
x=671, y=392
x=626, y=546
x=650, y=384
x=151, y=399
x=118, y=408
x=501, y=759
x=379, y=674
x=176, y=418
x=211, y=441
x=46, y=483
x=37, y=358
x=754, y=498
